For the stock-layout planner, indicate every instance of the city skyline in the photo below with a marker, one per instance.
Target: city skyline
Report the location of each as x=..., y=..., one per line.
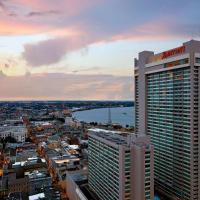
x=80, y=50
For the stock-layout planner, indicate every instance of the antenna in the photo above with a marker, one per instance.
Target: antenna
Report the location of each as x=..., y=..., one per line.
x=109, y=117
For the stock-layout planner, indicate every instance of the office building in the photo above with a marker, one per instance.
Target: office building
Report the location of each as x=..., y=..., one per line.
x=120, y=165
x=167, y=108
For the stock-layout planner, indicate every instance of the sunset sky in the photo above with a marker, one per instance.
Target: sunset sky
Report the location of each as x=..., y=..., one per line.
x=84, y=49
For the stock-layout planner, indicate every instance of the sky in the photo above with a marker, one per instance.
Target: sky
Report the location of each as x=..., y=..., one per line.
x=84, y=49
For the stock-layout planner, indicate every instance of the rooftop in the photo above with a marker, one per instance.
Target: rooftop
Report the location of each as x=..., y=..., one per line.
x=6, y=128
x=36, y=174
x=78, y=175
x=120, y=138
x=37, y=196
x=116, y=137
x=29, y=161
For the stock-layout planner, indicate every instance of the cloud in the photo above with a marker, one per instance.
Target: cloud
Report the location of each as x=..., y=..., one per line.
x=2, y=74
x=6, y=65
x=5, y=9
x=66, y=87
x=85, y=22
x=42, y=8
x=51, y=51
x=9, y=62
x=45, y=52
x=99, y=18
x=87, y=69
x=2, y=5
x=43, y=13
x=13, y=27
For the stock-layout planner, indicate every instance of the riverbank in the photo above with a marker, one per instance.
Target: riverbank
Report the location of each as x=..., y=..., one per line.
x=96, y=107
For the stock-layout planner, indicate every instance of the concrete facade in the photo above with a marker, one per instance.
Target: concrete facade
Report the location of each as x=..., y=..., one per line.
x=72, y=187
x=167, y=107
x=120, y=165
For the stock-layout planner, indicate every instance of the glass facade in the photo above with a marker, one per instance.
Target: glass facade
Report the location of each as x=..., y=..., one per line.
x=177, y=62
x=197, y=60
x=113, y=168
x=104, y=170
x=195, y=133
x=168, y=124
x=147, y=175
x=127, y=173
x=136, y=105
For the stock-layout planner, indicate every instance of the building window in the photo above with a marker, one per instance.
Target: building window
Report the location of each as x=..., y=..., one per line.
x=197, y=60
x=176, y=62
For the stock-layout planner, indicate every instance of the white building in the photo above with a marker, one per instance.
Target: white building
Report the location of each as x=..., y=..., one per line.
x=17, y=132
x=69, y=121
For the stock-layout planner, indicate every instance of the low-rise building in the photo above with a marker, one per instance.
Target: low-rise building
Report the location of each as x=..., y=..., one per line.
x=31, y=182
x=17, y=132
x=77, y=186
x=61, y=164
x=48, y=193
x=38, y=180
x=17, y=181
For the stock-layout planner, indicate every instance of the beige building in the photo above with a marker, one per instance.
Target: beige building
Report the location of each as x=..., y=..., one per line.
x=120, y=165
x=167, y=105
x=74, y=181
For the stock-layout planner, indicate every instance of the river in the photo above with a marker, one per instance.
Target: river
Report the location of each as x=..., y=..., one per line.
x=121, y=115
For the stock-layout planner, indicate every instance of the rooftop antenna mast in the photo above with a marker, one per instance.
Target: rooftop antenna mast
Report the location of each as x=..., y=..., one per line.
x=109, y=117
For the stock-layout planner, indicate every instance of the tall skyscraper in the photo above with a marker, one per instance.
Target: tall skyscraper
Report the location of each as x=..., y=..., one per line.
x=120, y=165
x=167, y=97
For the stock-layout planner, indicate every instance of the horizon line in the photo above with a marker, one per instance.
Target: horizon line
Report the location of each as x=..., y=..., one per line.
x=34, y=100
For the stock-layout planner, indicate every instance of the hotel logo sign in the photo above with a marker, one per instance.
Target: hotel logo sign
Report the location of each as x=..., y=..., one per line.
x=167, y=54
x=173, y=52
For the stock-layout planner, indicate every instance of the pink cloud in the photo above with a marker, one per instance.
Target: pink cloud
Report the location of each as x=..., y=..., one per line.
x=66, y=87
x=152, y=31
x=69, y=7
x=76, y=24
x=19, y=17
x=13, y=27
x=53, y=50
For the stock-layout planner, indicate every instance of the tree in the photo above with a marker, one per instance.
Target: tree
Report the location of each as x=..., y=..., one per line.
x=10, y=139
x=28, y=139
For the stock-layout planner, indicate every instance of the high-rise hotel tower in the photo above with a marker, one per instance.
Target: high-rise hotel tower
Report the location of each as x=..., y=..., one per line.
x=167, y=97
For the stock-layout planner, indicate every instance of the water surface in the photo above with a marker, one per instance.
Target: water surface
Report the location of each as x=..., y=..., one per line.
x=121, y=115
